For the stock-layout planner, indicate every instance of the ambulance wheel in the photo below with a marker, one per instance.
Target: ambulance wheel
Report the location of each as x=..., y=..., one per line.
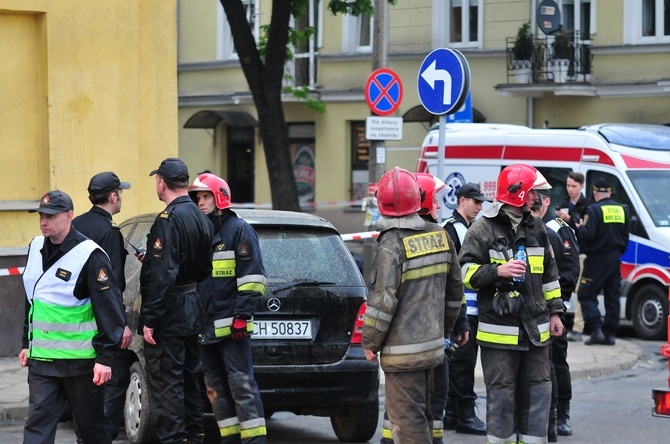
x=137, y=412
x=359, y=424
x=650, y=312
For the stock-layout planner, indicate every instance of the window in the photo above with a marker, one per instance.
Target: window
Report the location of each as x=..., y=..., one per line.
x=357, y=33
x=579, y=16
x=646, y=21
x=463, y=19
x=226, y=46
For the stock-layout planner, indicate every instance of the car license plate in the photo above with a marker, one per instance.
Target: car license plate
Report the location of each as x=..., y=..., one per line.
x=282, y=329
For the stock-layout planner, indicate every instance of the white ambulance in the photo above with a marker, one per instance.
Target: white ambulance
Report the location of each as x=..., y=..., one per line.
x=634, y=158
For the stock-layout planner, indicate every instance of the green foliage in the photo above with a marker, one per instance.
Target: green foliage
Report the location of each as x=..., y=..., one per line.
x=354, y=7
x=561, y=44
x=302, y=93
x=523, y=45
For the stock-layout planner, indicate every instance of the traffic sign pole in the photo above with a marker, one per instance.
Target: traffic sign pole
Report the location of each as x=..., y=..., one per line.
x=440, y=154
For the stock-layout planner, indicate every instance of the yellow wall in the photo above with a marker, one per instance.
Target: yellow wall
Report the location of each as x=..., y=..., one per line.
x=86, y=87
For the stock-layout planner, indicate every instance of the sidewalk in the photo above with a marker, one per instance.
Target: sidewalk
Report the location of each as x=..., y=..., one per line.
x=585, y=362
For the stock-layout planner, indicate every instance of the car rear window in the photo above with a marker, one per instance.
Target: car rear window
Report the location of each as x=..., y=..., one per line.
x=301, y=255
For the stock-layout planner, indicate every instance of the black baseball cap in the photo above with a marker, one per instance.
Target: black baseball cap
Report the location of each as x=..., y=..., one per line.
x=602, y=186
x=473, y=191
x=54, y=202
x=171, y=169
x=106, y=182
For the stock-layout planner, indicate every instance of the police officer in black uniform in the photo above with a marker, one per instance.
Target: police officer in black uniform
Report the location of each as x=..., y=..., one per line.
x=603, y=237
x=105, y=193
x=177, y=258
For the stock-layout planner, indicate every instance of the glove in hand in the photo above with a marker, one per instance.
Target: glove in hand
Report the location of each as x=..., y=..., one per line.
x=507, y=302
x=450, y=349
x=239, y=329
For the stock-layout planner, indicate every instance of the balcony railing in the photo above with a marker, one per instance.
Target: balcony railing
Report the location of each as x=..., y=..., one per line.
x=549, y=62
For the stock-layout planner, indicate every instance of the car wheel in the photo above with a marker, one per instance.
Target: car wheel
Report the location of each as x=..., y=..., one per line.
x=359, y=425
x=650, y=312
x=137, y=411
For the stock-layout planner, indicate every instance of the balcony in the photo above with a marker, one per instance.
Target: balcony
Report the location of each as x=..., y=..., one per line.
x=563, y=58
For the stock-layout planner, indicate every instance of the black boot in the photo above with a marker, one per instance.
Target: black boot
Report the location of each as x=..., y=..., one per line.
x=468, y=422
x=597, y=337
x=563, y=422
x=552, y=434
x=450, y=415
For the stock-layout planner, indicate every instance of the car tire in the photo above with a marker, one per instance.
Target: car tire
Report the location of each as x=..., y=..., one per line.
x=359, y=424
x=650, y=312
x=137, y=411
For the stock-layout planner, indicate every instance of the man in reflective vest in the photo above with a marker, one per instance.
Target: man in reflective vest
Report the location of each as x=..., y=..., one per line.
x=603, y=235
x=230, y=297
x=460, y=412
x=519, y=304
x=73, y=325
x=416, y=294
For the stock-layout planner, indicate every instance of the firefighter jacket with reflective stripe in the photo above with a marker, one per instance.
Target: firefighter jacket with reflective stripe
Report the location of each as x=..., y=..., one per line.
x=60, y=325
x=566, y=252
x=415, y=296
x=605, y=229
x=490, y=241
x=238, y=278
x=456, y=226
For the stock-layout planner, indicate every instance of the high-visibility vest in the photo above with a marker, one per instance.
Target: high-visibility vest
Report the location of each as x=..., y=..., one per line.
x=60, y=325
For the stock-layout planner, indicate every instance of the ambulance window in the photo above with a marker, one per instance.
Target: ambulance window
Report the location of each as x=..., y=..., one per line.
x=647, y=183
x=618, y=195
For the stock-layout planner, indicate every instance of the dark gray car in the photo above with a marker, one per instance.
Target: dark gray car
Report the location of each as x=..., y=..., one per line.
x=306, y=345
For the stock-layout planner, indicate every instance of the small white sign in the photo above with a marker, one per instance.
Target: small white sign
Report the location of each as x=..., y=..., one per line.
x=383, y=128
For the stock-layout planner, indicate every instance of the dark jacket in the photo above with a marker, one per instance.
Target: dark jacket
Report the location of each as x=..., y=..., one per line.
x=566, y=250
x=108, y=314
x=605, y=229
x=490, y=241
x=178, y=256
x=577, y=210
x=97, y=225
x=238, y=279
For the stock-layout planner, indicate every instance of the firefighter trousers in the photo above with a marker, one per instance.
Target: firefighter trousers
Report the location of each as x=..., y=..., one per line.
x=233, y=392
x=518, y=394
x=408, y=405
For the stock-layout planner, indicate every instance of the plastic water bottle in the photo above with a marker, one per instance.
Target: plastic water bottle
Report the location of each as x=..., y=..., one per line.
x=521, y=256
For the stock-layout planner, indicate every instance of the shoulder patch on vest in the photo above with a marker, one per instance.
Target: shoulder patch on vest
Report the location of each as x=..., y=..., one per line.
x=102, y=276
x=158, y=245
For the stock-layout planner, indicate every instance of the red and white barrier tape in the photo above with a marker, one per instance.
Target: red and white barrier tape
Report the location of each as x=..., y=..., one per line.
x=333, y=203
x=359, y=236
x=11, y=271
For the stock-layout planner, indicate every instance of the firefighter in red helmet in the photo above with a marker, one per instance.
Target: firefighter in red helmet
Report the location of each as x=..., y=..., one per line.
x=415, y=296
x=519, y=304
x=230, y=296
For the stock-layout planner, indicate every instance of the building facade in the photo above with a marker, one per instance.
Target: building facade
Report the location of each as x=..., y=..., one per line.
x=616, y=71
x=86, y=87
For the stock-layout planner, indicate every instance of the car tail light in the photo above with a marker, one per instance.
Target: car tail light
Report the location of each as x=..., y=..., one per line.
x=357, y=333
x=661, y=402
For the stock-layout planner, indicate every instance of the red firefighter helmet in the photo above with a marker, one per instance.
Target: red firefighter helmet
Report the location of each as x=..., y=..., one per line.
x=213, y=183
x=429, y=186
x=515, y=181
x=398, y=193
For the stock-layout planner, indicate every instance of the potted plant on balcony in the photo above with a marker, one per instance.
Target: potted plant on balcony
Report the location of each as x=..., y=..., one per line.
x=562, y=53
x=522, y=51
